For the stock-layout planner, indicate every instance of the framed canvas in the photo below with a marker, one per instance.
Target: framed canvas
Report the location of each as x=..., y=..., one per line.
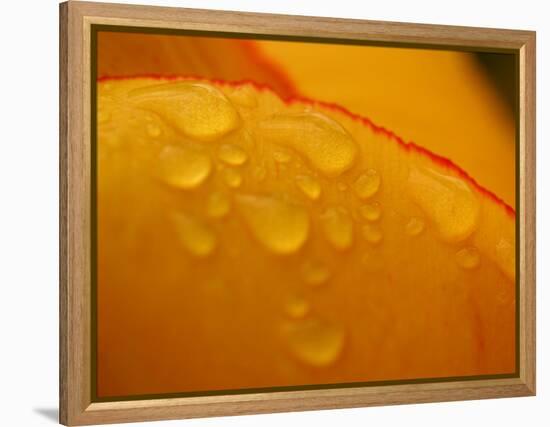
x=264, y=213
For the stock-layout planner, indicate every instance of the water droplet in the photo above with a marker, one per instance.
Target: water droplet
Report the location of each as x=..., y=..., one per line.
x=324, y=143
x=447, y=200
x=314, y=273
x=281, y=156
x=467, y=258
x=371, y=211
x=280, y=226
x=367, y=184
x=232, y=178
x=506, y=258
x=218, y=205
x=183, y=168
x=309, y=186
x=232, y=154
x=197, y=109
x=316, y=342
x=415, y=226
x=153, y=130
x=338, y=227
x=296, y=307
x=194, y=235
x=372, y=233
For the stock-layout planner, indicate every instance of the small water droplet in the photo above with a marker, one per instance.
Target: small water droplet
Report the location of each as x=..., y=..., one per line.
x=280, y=226
x=197, y=109
x=467, y=258
x=218, y=205
x=316, y=342
x=414, y=226
x=232, y=178
x=232, y=154
x=309, y=186
x=153, y=130
x=447, y=200
x=296, y=306
x=324, y=143
x=371, y=211
x=372, y=233
x=183, y=168
x=367, y=184
x=314, y=273
x=338, y=227
x=194, y=235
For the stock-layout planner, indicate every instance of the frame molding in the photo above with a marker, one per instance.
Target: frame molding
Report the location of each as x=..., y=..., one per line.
x=76, y=18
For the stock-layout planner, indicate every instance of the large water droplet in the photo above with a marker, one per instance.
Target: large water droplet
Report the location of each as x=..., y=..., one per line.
x=414, y=226
x=322, y=141
x=218, y=205
x=197, y=109
x=232, y=154
x=314, y=273
x=183, y=167
x=447, y=200
x=338, y=227
x=194, y=235
x=309, y=186
x=367, y=184
x=468, y=257
x=280, y=226
x=316, y=342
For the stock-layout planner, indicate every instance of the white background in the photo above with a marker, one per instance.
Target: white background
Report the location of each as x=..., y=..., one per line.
x=29, y=210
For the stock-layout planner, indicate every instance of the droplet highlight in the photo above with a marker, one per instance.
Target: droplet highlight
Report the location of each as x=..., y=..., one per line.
x=195, y=236
x=371, y=211
x=280, y=226
x=183, y=167
x=232, y=154
x=309, y=186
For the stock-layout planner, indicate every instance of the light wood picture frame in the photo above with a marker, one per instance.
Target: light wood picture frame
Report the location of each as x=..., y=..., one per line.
x=77, y=171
